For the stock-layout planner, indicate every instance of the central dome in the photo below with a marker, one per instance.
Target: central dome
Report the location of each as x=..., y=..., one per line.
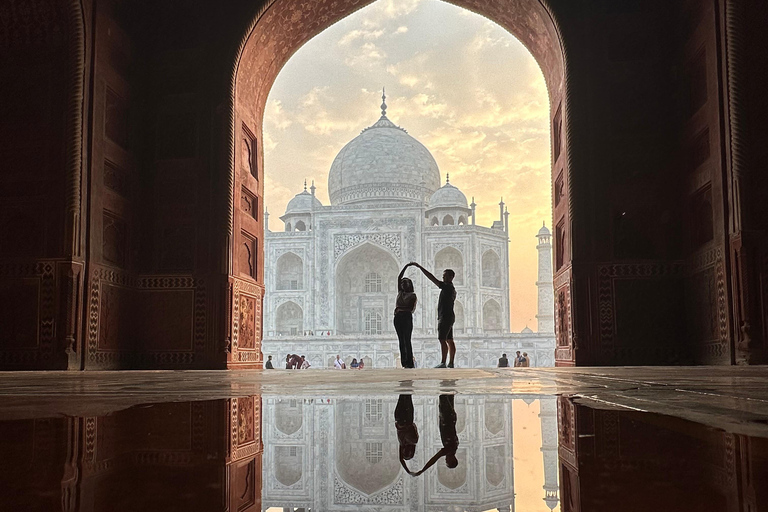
x=383, y=164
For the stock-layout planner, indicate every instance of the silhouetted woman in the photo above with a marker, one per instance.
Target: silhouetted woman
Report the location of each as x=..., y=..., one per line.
x=354, y=364
x=404, y=306
x=407, y=433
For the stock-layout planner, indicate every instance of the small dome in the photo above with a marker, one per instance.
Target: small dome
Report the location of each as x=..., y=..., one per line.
x=544, y=231
x=302, y=203
x=448, y=196
x=527, y=330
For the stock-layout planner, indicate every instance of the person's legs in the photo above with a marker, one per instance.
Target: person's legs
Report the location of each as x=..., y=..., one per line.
x=443, y=351
x=451, y=351
x=408, y=352
x=399, y=330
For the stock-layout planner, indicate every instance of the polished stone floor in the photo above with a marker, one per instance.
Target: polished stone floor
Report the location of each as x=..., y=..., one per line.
x=586, y=439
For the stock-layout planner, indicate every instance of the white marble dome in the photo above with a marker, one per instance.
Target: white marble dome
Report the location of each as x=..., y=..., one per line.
x=448, y=196
x=544, y=231
x=383, y=164
x=302, y=203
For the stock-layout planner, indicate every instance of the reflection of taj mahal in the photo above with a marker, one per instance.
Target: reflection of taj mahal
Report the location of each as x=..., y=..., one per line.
x=337, y=454
x=333, y=269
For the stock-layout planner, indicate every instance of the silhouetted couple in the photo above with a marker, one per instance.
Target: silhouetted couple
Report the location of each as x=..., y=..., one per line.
x=408, y=434
x=406, y=304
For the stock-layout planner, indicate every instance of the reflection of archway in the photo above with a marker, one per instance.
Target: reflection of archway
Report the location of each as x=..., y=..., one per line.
x=288, y=466
x=492, y=316
x=289, y=416
x=450, y=257
x=491, y=269
x=290, y=272
x=362, y=461
x=365, y=285
x=289, y=319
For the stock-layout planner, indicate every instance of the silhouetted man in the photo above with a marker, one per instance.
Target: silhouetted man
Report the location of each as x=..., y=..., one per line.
x=503, y=361
x=518, y=357
x=445, y=313
x=448, y=434
x=268, y=365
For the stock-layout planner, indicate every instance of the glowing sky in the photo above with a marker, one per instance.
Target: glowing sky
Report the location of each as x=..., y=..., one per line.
x=460, y=84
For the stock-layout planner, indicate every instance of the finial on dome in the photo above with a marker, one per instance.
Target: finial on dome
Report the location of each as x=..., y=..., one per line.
x=447, y=178
x=305, y=185
x=313, y=188
x=383, y=102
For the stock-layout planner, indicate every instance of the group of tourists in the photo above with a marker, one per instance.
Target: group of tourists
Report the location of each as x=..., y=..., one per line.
x=521, y=360
x=292, y=362
x=338, y=364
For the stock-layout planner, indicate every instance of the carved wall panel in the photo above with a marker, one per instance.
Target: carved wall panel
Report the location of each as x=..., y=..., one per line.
x=634, y=301
x=246, y=329
x=114, y=240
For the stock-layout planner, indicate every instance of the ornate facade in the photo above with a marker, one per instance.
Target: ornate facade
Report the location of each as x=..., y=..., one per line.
x=333, y=454
x=333, y=269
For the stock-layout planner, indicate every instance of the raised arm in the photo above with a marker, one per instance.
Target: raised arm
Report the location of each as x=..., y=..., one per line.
x=402, y=272
x=429, y=274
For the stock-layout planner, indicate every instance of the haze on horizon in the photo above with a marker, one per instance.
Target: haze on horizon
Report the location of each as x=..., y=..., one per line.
x=459, y=83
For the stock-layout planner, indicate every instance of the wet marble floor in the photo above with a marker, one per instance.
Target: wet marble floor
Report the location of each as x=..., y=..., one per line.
x=531, y=439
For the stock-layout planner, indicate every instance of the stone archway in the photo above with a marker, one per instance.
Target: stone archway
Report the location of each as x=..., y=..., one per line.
x=288, y=24
x=450, y=257
x=289, y=272
x=365, y=283
x=289, y=319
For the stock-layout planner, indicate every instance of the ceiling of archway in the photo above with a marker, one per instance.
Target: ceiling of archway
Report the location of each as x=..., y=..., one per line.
x=287, y=24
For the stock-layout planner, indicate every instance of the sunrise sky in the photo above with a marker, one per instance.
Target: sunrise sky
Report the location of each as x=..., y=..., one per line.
x=459, y=83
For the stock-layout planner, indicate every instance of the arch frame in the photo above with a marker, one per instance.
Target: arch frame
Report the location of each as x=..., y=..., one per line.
x=557, y=80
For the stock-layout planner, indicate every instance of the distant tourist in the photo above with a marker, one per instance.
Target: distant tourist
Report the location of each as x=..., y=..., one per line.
x=361, y=364
x=338, y=364
x=304, y=363
x=295, y=362
x=525, y=362
x=445, y=313
x=288, y=362
x=268, y=365
x=503, y=361
x=354, y=364
x=518, y=359
x=405, y=304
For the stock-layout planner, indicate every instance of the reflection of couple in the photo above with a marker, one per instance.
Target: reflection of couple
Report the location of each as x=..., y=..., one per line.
x=406, y=304
x=408, y=434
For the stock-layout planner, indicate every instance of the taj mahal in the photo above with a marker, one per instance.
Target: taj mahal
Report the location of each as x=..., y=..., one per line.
x=332, y=282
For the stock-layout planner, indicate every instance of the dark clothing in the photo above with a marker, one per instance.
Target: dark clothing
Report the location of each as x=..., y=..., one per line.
x=448, y=424
x=445, y=328
x=404, y=328
x=406, y=301
x=295, y=362
x=268, y=365
x=503, y=362
x=446, y=300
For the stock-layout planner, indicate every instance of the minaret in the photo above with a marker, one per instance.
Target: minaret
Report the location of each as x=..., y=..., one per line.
x=548, y=417
x=546, y=311
x=473, y=205
x=266, y=220
x=506, y=220
x=501, y=211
